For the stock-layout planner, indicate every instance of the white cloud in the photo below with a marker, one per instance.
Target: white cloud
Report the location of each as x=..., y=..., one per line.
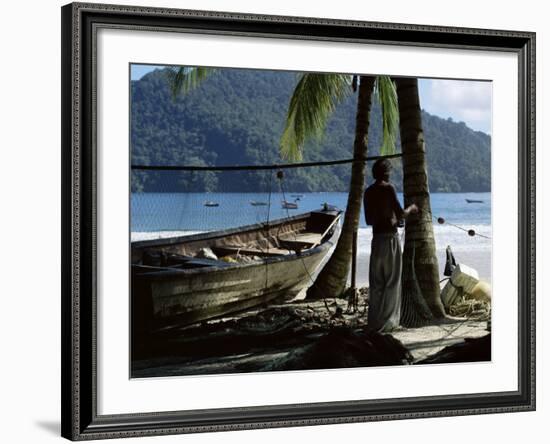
x=462, y=100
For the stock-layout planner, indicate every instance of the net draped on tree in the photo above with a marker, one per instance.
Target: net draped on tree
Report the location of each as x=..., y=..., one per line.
x=207, y=199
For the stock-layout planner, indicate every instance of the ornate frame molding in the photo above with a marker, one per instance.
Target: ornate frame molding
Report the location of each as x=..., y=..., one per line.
x=79, y=395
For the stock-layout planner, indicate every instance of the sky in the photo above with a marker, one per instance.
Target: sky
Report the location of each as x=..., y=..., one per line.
x=467, y=101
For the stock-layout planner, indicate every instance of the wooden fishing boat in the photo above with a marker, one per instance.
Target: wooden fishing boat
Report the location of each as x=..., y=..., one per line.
x=183, y=280
x=474, y=201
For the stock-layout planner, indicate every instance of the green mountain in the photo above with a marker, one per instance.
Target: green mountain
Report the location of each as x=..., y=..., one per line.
x=236, y=117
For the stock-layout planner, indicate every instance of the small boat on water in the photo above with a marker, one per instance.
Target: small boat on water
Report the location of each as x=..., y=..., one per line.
x=255, y=203
x=289, y=205
x=209, y=203
x=328, y=207
x=182, y=280
x=474, y=201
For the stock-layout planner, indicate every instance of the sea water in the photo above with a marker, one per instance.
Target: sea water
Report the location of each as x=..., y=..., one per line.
x=155, y=215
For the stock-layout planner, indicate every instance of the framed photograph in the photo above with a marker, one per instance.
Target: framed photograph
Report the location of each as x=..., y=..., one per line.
x=278, y=221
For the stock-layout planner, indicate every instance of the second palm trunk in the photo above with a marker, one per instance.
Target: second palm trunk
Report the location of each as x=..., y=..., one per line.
x=420, y=265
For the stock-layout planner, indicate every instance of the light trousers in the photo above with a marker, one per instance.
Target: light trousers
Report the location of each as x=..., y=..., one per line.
x=385, y=282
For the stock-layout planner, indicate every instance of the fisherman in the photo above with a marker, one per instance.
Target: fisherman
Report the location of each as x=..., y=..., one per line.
x=384, y=212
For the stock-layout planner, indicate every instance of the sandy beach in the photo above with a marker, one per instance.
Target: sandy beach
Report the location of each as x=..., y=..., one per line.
x=268, y=338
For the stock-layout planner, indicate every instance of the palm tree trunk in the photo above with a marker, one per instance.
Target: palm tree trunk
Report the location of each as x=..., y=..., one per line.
x=419, y=235
x=332, y=279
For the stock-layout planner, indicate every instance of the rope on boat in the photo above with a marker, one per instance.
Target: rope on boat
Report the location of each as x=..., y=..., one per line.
x=267, y=229
x=280, y=176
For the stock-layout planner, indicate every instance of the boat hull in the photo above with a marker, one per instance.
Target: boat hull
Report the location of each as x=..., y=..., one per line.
x=181, y=297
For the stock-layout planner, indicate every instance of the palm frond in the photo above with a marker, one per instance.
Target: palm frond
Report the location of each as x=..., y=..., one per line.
x=386, y=94
x=186, y=78
x=312, y=102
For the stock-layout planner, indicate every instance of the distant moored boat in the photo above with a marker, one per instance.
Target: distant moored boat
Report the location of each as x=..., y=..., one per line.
x=289, y=205
x=474, y=201
x=209, y=203
x=255, y=203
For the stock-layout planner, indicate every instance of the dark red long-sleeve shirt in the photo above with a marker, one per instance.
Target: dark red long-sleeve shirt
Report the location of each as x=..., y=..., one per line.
x=382, y=208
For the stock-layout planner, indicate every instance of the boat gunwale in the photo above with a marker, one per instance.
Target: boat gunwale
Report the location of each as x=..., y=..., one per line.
x=222, y=233
x=292, y=256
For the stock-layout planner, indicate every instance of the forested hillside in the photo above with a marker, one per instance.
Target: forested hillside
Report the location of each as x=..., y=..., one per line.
x=236, y=117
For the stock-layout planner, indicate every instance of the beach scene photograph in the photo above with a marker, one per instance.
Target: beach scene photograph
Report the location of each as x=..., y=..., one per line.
x=298, y=221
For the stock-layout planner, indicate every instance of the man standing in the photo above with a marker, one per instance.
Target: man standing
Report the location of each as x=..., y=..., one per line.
x=384, y=212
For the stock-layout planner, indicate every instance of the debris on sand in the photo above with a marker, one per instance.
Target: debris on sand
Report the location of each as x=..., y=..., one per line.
x=343, y=347
x=301, y=335
x=469, y=350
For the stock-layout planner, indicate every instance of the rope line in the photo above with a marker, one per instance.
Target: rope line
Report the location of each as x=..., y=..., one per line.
x=470, y=231
x=302, y=259
x=258, y=167
x=267, y=228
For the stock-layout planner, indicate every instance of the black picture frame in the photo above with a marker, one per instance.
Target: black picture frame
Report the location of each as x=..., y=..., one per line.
x=79, y=169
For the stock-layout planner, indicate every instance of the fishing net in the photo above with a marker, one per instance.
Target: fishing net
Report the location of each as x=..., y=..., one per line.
x=472, y=309
x=414, y=310
x=188, y=200
x=172, y=201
